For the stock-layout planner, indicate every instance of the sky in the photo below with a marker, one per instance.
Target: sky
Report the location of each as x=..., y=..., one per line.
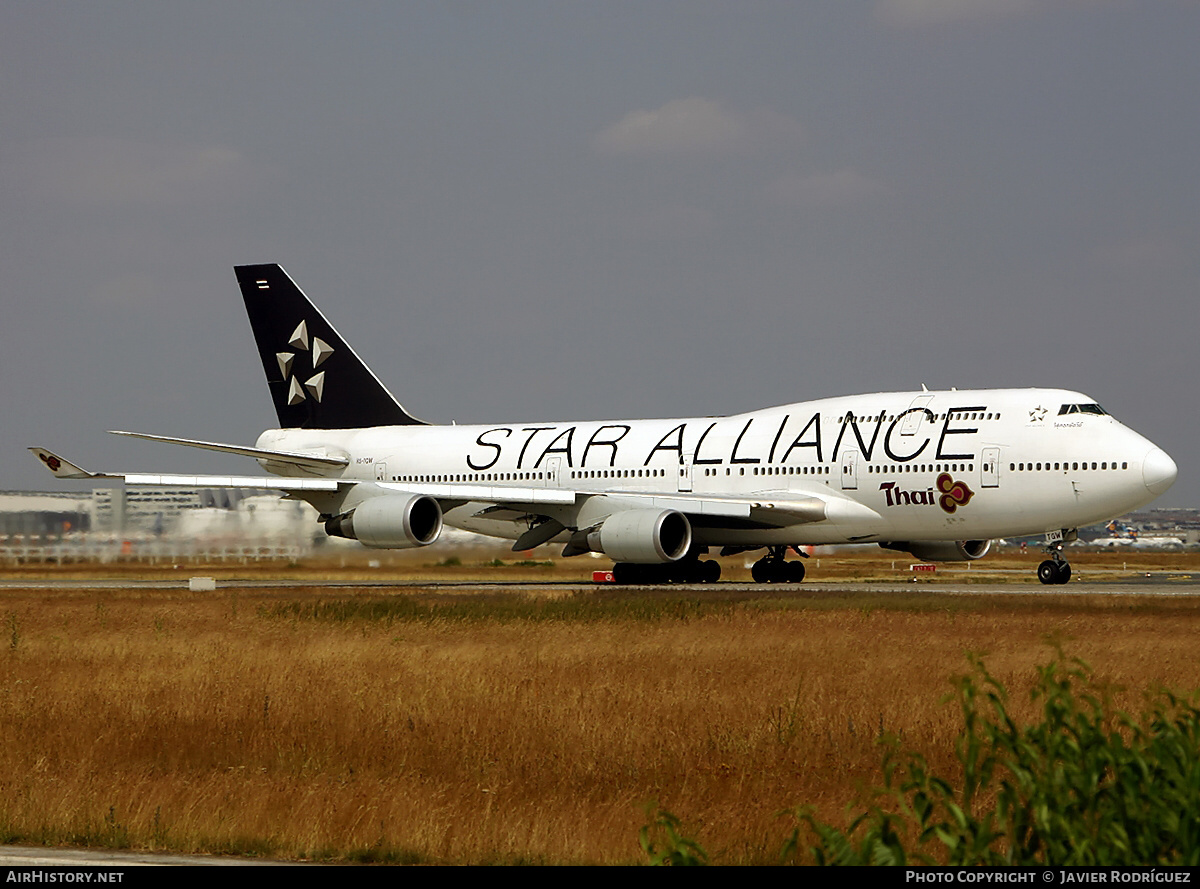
x=531, y=211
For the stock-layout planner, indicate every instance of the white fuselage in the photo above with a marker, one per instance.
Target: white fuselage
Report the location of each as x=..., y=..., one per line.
x=947, y=465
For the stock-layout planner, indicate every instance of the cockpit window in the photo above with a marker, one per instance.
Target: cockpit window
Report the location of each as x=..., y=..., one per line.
x=1082, y=409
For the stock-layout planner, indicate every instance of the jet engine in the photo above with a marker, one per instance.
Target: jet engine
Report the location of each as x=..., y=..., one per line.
x=390, y=522
x=942, y=550
x=643, y=535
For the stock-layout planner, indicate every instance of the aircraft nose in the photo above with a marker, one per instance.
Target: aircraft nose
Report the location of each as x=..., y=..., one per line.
x=1158, y=471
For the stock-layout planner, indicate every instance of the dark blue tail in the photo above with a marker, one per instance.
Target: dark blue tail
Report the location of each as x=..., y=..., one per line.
x=316, y=380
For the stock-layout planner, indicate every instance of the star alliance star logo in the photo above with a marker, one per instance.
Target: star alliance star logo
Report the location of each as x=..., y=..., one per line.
x=315, y=384
x=1037, y=414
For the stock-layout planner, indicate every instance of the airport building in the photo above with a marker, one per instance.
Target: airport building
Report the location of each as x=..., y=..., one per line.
x=145, y=522
x=132, y=521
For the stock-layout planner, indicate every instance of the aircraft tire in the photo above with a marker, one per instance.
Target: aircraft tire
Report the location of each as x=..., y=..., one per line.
x=1048, y=572
x=795, y=572
x=761, y=572
x=710, y=571
x=632, y=573
x=685, y=571
x=1064, y=572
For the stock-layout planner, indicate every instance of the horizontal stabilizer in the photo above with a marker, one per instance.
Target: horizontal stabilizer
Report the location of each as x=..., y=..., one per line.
x=293, y=458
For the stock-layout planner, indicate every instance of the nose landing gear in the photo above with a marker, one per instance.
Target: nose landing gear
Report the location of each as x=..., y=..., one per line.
x=1051, y=571
x=1055, y=569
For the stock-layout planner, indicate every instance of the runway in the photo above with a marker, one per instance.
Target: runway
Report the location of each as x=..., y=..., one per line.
x=1150, y=584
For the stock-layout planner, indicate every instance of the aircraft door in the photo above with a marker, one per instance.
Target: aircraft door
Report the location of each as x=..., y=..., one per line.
x=381, y=472
x=553, y=465
x=990, y=468
x=849, y=470
x=917, y=413
x=685, y=473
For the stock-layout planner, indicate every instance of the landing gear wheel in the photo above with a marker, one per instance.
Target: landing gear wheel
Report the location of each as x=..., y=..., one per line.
x=710, y=571
x=625, y=573
x=1056, y=569
x=774, y=568
x=686, y=571
x=1052, y=572
x=634, y=573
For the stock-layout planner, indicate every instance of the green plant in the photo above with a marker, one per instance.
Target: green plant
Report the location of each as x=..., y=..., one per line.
x=664, y=844
x=1083, y=785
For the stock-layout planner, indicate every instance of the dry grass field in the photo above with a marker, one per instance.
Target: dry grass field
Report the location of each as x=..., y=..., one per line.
x=439, y=724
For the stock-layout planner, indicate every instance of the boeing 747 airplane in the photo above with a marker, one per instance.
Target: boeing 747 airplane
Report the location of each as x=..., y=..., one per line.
x=934, y=474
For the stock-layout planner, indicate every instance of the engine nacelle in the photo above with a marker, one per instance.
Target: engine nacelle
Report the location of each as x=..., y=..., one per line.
x=390, y=522
x=643, y=535
x=942, y=550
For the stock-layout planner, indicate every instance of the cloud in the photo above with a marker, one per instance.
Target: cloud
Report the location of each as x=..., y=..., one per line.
x=840, y=188
x=917, y=13
x=696, y=126
x=95, y=169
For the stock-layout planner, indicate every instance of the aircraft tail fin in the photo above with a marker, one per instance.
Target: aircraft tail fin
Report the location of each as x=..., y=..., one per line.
x=316, y=380
x=63, y=468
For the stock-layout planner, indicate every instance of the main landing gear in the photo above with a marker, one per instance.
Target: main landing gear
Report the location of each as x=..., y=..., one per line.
x=689, y=569
x=774, y=567
x=1055, y=569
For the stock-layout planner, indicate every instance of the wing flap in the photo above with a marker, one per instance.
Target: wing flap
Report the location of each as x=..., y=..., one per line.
x=773, y=512
x=501, y=496
x=230, y=481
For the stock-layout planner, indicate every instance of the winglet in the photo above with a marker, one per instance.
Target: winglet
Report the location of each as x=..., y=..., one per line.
x=63, y=468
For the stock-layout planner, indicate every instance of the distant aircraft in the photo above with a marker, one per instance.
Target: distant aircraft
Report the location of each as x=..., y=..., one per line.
x=1127, y=535
x=935, y=474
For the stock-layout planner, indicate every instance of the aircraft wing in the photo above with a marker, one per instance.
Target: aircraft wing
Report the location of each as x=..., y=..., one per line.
x=63, y=468
x=549, y=511
x=769, y=511
x=521, y=501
